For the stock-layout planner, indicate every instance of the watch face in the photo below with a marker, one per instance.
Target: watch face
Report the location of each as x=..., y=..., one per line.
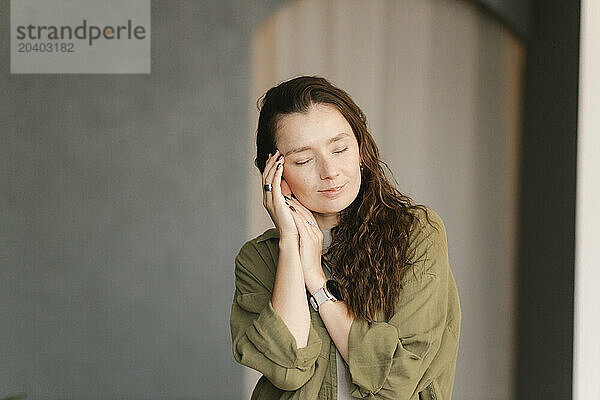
x=334, y=288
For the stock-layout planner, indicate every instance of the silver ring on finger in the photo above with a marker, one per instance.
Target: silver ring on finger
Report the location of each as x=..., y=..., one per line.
x=268, y=187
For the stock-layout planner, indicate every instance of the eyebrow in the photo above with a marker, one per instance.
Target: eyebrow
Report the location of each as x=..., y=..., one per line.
x=337, y=137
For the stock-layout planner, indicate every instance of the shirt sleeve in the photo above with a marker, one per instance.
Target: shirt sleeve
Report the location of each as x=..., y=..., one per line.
x=388, y=359
x=260, y=338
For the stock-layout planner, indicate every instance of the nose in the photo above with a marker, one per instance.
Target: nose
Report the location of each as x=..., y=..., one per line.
x=328, y=169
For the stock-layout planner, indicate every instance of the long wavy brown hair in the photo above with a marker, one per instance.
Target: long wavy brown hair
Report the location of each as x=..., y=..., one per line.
x=368, y=252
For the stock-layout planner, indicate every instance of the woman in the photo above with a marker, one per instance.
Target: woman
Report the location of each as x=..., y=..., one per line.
x=351, y=294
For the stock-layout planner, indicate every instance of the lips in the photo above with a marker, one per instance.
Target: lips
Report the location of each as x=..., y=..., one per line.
x=332, y=189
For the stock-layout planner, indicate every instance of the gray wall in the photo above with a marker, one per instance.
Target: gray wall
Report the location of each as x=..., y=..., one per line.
x=122, y=208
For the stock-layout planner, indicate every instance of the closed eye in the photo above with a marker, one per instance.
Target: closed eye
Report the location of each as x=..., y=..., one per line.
x=336, y=152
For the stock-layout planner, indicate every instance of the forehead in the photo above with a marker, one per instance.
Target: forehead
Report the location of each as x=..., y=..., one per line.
x=318, y=125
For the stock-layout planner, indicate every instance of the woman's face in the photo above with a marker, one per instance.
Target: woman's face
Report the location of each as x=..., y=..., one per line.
x=321, y=152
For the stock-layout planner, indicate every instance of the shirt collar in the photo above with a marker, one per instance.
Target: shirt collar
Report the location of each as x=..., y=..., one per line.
x=268, y=234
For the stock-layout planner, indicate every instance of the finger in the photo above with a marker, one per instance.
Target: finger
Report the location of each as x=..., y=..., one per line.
x=278, y=172
x=270, y=171
x=309, y=231
x=267, y=173
x=299, y=220
x=305, y=212
x=313, y=231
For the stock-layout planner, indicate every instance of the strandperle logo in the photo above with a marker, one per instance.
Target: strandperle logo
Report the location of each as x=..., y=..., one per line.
x=82, y=32
x=80, y=36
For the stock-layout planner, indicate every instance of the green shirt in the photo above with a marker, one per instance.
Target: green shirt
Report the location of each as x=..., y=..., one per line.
x=411, y=356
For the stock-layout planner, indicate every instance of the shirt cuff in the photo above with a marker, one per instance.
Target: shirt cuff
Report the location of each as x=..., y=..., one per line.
x=271, y=336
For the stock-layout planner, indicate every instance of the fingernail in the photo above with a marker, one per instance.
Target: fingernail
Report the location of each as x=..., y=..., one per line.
x=278, y=158
x=292, y=208
x=270, y=154
x=278, y=165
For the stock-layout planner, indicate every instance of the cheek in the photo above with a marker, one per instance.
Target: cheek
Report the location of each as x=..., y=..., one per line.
x=352, y=168
x=355, y=176
x=296, y=180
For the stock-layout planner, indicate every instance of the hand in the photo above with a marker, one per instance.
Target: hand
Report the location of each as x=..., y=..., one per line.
x=274, y=201
x=311, y=245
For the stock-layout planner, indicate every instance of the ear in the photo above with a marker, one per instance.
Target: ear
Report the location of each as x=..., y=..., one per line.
x=285, y=188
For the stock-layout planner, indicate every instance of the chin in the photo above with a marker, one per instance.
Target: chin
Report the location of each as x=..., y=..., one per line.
x=334, y=206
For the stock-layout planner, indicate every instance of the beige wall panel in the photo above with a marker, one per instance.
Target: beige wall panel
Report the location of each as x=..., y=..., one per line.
x=440, y=83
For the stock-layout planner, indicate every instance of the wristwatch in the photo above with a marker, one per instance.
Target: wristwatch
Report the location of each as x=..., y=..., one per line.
x=329, y=291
